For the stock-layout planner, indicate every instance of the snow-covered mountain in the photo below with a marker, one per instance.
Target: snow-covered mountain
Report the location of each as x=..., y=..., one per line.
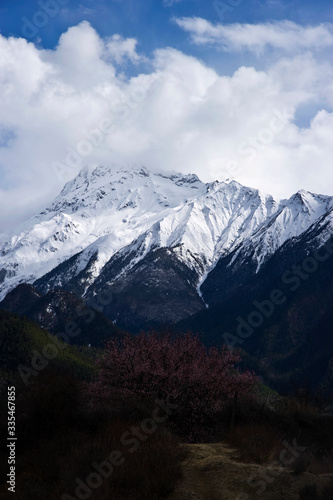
x=108, y=227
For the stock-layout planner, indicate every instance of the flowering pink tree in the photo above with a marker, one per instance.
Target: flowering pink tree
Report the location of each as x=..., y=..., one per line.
x=150, y=366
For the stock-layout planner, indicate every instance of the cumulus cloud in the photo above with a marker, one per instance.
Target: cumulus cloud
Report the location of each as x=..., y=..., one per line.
x=64, y=108
x=283, y=35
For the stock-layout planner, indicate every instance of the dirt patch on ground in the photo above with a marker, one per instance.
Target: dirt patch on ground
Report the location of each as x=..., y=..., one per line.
x=214, y=472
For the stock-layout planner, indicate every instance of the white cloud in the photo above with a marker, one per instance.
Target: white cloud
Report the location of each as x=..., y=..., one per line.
x=182, y=115
x=119, y=49
x=282, y=35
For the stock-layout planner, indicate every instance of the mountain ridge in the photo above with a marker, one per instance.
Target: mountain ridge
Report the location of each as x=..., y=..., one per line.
x=106, y=211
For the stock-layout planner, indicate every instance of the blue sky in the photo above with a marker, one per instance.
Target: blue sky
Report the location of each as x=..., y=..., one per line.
x=149, y=20
x=245, y=95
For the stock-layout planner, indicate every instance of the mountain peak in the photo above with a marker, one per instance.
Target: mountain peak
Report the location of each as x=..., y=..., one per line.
x=309, y=203
x=108, y=210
